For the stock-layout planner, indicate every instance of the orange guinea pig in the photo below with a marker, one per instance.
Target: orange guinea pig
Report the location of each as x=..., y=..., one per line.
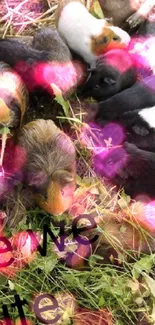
x=49, y=169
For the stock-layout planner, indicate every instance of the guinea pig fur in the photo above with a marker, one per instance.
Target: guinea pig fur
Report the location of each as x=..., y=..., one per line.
x=137, y=175
x=13, y=97
x=131, y=100
x=114, y=72
x=126, y=12
x=49, y=169
x=130, y=168
x=86, y=35
x=41, y=68
x=133, y=238
x=46, y=39
x=146, y=29
x=49, y=39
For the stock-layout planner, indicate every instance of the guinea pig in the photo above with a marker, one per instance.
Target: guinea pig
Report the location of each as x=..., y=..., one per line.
x=137, y=174
x=49, y=168
x=13, y=97
x=119, y=235
x=114, y=72
x=41, y=68
x=128, y=167
x=136, y=99
x=146, y=28
x=127, y=12
x=86, y=35
x=49, y=39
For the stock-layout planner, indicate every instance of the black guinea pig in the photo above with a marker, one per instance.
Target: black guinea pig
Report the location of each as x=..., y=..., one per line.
x=114, y=71
x=128, y=167
x=128, y=104
x=137, y=174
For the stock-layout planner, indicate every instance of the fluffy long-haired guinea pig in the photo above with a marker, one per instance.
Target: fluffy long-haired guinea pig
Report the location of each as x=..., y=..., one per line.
x=127, y=12
x=114, y=71
x=49, y=168
x=112, y=241
x=84, y=34
x=13, y=97
x=48, y=62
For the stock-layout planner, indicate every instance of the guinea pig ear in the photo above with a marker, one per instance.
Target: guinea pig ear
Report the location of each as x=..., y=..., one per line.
x=92, y=67
x=110, y=20
x=63, y=177
x=88, y=77
x=36, y=179
x=109, y=81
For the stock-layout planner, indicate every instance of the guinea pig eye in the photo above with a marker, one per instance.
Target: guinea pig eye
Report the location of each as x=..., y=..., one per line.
x=115, y=38
x=62, y=192
x=46, y=197
x=96, y=87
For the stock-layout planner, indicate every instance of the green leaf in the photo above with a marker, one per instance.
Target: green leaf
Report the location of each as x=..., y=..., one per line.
x=124, y=201
x=96, y=10
x=60, y=100
x=5, y=130
x=123, y=229
x=152, y=316
x=101, y=301
x=151, y=283
x=144, y=264
x=11, y=285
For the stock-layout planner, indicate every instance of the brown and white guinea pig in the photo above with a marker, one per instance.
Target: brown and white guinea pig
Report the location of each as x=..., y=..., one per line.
x=49, y=168
x=13, y=97
x=119, y=236
x=85, y=34
x=114, y=72
x=45, y=63
x=122, y=234
x=124, y=12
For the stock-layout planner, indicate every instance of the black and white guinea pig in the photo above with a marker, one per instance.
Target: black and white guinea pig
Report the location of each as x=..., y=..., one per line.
x=113, y=72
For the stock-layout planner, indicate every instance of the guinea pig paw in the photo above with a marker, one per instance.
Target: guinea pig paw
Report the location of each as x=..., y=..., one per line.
x=135, y=20
x=130, y=148
x=92, y=112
